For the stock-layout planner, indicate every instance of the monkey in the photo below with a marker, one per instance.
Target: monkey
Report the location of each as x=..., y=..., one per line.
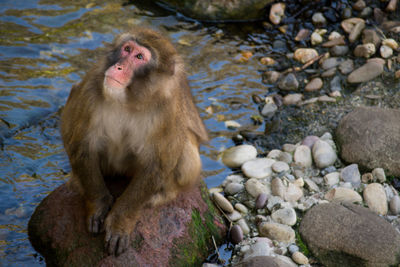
x=132, y=118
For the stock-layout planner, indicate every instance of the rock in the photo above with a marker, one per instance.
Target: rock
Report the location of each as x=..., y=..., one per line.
x=245, y=228
x=270, y=261
x=206, y=264
x=339, y=50
x=360, y=134
x=334, y=35
x=390, y=43
x=263, y=246
x=267, y=61
x=289, y=82
x=331, y=179
x=236, y=234
x=302, y=35
x=330, y=63
x=271, y=76
x=379, y=175
x=285, y=216
x=391, y=7
x=276, y=13
x=242, y=208
x=304, y=55
x=311, y=185
x=234, y=178
x=341, y=194
x=222, y=202
x=233, y=188
x=302, y=156
x=277, y=231
x=329, y=73
x=255, y=187
x=386, y=51
x=359, y=5
x=346, y=66
x=274, y=202
x=261, y=200
x=394, y=205
x=366, y=12
x=293, y=193
x=367, y=178
x=335, y=84
x=366, y=72
x=292, y=99
x=299, y=258
x=57, y=230
x=280, y=166
x=351, y=174
x=314, y=85
x=349, y=24
x=235, y=156
x=365, y=50
x=309, y=141
x=356, y=31
x=234, y=216
x=269, y=110
x=360, y=239
x=375, y=197
x=277, y=187
x=316, y=38
x=318, y=19
x=371, y=36
x=335, y=42
x=258, y=168
x=293, y=248
x=232, y=124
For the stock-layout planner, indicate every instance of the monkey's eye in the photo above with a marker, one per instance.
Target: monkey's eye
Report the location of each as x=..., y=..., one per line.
x=127, y=49
x=139, y=56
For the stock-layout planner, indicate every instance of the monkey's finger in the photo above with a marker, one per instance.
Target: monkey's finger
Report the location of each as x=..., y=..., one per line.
x=112, y=245
x=122, y=244
x=93, y=225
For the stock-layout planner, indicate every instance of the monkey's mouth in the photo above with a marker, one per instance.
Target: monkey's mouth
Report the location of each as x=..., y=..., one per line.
x=113, y=83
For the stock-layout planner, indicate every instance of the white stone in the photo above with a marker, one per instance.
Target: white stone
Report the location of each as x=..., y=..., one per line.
x=395, y=205
x=302, y=156
x=299, y=182
x=235, y=156
x=285, y=216
x=351, y=174
x=390, y=43
x=276, y=13
x=233, y=188
x=262, y=247
x=254, y=187
x=299, y=258
x=385, y=51
x=234, y=178
x=278, y=232
x=274, y=154
x=280, y=166
x=234, y=216
x=331, y=179
x=323, y=154
x=293, y=193
x=242, y=208
x=223, y=203
x=311, y=185
x=341, y=194
x=379, y=175
x=232, y=124
x=245, y=228
x=258, y=168
x=334, y=35
x=316, y=38
x=274, y=201
x=277, y=187
x=375, y=197
x=305, y=54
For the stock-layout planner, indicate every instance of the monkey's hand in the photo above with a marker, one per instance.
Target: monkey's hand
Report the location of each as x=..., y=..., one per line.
x=118, y=229
x=96, y=213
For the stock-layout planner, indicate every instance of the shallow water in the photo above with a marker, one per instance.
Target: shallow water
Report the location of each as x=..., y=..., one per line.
x=45, y=48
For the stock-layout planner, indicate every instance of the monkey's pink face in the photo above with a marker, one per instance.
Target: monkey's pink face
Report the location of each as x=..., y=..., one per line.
x=132, y=57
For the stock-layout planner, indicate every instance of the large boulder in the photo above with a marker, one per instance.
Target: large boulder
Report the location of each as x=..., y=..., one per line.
x=219, y=10
x=177, y=234
x=350, y=235
x=370, y=137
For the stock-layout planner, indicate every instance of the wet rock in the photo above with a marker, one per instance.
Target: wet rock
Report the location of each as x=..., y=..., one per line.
x=385, y=51
x=339, y=50
x=234, y=216
x=346, y=13
x=304, y=55
x=379, y=175
x=258, y=168
x=394, y=205
x=289, y=82
x=349, y=24
x=299, y=258
x=293, y=193
x=329, y=73
x=335, y=42
x=222, y=202
x=268, y=61
x=280, y=166
x=356, y=31
x=359, y=5
x=375, y=197
x=331, y=63
x=232, y=124
x=236, y=234
x=341, y=194
x=242, y=208
x=314, y=85
x=271, y=76
x=351, y=174
x=366, y=72
x=371, y=36
x=346, y=66
x=234, y=178
x=243, y=224
x=261, y=200
x=233, y=188
x=335, y=84
x=255, y=187
x=302, y=156
x=359, y=136
x=276, y=13
x=292, y=99
x=331, y=179
x=390, y=43
x=285, y=216
x=302, y=35
x=316, y=38
x=277, y=231
x=360, y=239
x=309, y=141
x=318, y=19
x=277, y=187
x=366, y=12
x=269, y=110
x=365, y=50
x=235, y=156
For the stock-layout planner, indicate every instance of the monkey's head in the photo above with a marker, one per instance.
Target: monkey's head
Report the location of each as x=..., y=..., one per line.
x=135, y=59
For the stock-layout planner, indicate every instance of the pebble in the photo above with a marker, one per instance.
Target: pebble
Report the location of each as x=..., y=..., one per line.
x=277, y=188
x=359, y=5
x=289, y=82
x=366, y=12
x=325, y=98
x=351, y=174
x=314, y=85
x=289, y=148
x=391, y=7
x=302, y=156
x=258, y=168
x=332, y=179
x=267, y=61
x=302, y=35
x=274, y=154
x=276, y=13
x=280, y=166
x=342, y=194
x=274, y=201
x=235, y=156
x=333, y=35
x=397, y=74
x=379, y=175
x=309, y=141
x=339, y=50
x=335, y=84
x=334, y=42
x=329, y=73
x=292, y=99
x=346, y=66
x=255, y=187
x=365, y=50
x=316, y=38
x=356, y=31
x=234, y=178
x=299, y=258
x=242, y=208
x=371, y=36
x=331, y=63
x=323, y=154
x=234, y=216
x=366, y=72
x=271, y=76
x=391, y=43
x=318, y=19
x=293, y=193
x=233, y=188
x=304, y=55
x=299, y=182
x=276, y=231
x=375, y=198
x=236, y=234
x=285, y=216
x=232, y=124
x=293, y=248
x=311, y=185
x=367, y=178
x=261, y=200
x=394, y=205
x=385, y=51
x=346, y=13
x=349, y=24
x=245, y=228
x=222, y=202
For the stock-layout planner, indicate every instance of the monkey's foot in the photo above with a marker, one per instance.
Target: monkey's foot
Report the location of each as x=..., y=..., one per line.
x=117, y=235
x=97, y=212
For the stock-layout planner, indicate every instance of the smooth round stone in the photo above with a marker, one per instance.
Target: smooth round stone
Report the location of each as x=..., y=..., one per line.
x=223, y=203
x=254, y=187
x=242, y=208
x=236, y=234
x=316, y=38
x=277, y=187
x=233, y=188
x=289, y=82
x=365, y=50
x=311, y=185
x=323, y=154
x=346, y=66
x=309, y=141
x=277, y=231
x=285, y=216
x=335, y=84
x=351, y=174
x=289, y=148
x=234, y=178
x=332, y=178
x=329, y=73
x=299, y=258
x=261, y=200
x=394, y=205
x=269, y=110
x=274, y=154
x=276, y=13
x=286, y=157
x=342, y=194
x=367, y=178
x=245, y=228
x=271, y=76
x=302, y=156
x=366, y=72
x=375, y=197
x=314, y=85
x=280, y=166
x=385, y=51
x=331, y=63
x=293, y=193
x=305, y=54
x=339, y=50
x=293, y=248
x=379, y=175
x=318, y=19
x=292, y=99
x=235, y=156
x=258, y=168
x=299, y=182
x=234, y=216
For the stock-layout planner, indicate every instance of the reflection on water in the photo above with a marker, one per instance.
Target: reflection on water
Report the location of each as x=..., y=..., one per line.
x=47, y=47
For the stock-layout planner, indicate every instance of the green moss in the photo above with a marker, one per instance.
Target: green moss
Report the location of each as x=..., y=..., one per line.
x=300, y=243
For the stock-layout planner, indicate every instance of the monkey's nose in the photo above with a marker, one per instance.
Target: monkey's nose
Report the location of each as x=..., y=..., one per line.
x=119, y=66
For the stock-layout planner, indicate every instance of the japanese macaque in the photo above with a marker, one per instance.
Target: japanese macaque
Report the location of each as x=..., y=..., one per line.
x=132, y=121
